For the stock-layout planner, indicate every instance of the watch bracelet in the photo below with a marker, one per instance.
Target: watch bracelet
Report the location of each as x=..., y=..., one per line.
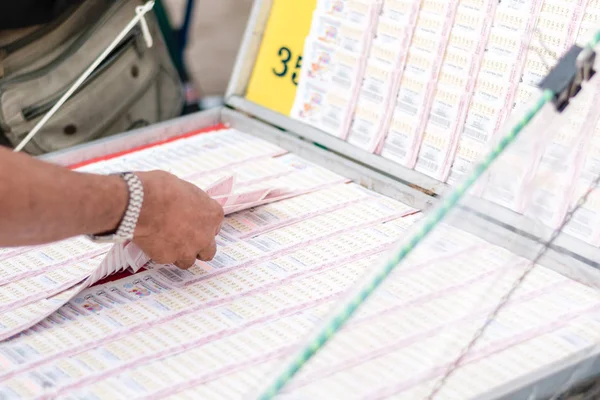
x=129, y=221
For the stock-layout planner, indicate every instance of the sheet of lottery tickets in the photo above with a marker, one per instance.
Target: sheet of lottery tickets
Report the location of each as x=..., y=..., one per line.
x=219, y=329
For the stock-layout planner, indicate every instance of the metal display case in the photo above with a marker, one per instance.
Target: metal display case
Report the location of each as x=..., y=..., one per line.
x=569, y=256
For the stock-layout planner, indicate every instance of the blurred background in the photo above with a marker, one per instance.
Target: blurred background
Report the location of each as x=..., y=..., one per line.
x=215, y=32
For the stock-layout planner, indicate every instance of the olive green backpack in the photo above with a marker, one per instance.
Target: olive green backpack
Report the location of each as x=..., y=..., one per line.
x=133, y=87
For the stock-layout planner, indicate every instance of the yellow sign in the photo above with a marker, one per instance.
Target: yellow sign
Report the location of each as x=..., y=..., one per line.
x=277, y=69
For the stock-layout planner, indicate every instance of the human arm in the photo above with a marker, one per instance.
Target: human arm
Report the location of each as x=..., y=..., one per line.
x=41, y=202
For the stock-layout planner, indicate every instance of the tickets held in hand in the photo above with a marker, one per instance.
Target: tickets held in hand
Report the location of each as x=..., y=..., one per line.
x=236, y=169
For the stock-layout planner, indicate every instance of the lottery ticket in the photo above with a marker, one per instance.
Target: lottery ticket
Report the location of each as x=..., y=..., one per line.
x=459, y=40
x=398, y=10
x=410, y=97
x=531, y=30
x=404, y=126
x=400, y=144
x=447, y=109
x=367, y=126
x=469, y=151
x=56, y=287
x=340, y=33
x=588, y=23
x=394, y=33
x=329, y=110
x=326, y=65
x=43, y=259
x=361, y=12
x=554, y=173
x=372, y=112
x=482, y=120
x=327, y=253
x=379, y=82
x=221, y=187
x=282, y=213
x=504, y=44
x=511, y=19
x=471, y=20
x=317, y=61
x=309, y=104
x=434, y=152
x=422, y=67
x=402, y=139
x=563, y=160
x=584, y=224
x=447, y=103
x=195, y=156
x=483, y=117
x=548, y=43
x=525, y=93
x=308, y=179
x=456, y=86
x=328, y=89
x=268, y=338
x=515, y=169
x=389, y=43
x=288, y=237
x=30, y=290
x=495, y=67
x=305, y=177
x=237, y=199
x=41, y=276
x=347, y=70
x=121, y=337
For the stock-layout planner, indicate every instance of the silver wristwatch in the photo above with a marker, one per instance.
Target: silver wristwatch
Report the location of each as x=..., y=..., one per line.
x=127, y=225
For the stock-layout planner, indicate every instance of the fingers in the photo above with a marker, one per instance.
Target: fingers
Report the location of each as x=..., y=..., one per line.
x=185, y=263
x=194, y=219
x=219, y=214
x=208, y=253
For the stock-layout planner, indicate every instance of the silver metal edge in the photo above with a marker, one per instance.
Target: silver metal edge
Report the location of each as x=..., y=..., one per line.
x=530, y=230
x=363, y=175
x=135, y=138
x=569, y=256
x=552, y=379
x=405, y=175
x=557, y=258
x=249, y=47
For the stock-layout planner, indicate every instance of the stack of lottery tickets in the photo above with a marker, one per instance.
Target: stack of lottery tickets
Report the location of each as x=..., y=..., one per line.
x=334, y=63
x=427, y=84
x=385, y=63
x=35, y=281
x=430, y=84
x=222, y=328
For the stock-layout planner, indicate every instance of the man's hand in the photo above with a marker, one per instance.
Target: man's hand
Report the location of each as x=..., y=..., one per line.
x=41, y=203
x=178, y=222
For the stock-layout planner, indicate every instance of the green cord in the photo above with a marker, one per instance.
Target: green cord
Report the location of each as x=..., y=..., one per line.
x=595, y=40
x=431, y=221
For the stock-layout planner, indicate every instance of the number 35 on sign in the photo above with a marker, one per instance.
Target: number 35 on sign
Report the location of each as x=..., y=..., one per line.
x=277, y=69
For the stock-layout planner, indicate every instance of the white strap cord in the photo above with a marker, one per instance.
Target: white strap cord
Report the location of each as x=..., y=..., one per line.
x=139, y=18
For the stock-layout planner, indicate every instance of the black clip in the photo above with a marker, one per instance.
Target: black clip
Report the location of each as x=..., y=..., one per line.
x=564, y=80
